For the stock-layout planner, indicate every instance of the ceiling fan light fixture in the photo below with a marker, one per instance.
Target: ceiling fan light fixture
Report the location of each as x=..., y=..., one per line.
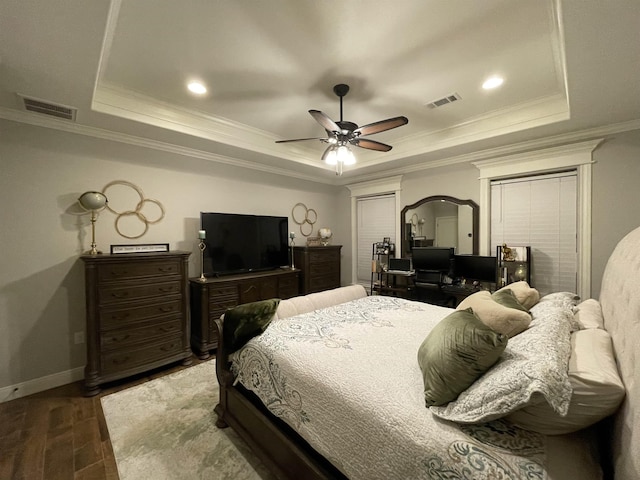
x=345, y=155
x=197, y=88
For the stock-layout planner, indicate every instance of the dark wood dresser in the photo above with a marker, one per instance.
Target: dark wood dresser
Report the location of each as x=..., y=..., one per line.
x=320, y=267
x=212, y=297
x=137, y=314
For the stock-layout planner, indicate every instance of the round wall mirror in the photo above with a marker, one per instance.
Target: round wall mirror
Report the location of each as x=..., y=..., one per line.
x=440, y=221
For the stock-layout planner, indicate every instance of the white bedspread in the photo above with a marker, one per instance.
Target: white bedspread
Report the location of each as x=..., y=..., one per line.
x=347, y=380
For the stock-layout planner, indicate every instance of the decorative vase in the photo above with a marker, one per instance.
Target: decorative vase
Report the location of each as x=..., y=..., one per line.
x=325, y=236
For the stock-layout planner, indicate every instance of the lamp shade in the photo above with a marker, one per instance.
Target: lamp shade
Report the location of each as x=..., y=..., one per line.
x=92, y=200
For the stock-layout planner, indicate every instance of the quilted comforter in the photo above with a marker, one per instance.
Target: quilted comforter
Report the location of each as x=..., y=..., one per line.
x=346, y=378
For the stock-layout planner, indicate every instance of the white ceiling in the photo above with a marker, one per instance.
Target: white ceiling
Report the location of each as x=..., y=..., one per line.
x=570, y=67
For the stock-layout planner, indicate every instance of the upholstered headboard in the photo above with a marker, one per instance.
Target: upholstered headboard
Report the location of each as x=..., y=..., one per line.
x=620, y=299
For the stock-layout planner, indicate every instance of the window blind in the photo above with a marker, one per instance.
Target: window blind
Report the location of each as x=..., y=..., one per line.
x=376, y=220
x=541, y=212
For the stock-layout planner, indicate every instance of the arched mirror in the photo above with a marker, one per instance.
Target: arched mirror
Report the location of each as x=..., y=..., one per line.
x=440, y=221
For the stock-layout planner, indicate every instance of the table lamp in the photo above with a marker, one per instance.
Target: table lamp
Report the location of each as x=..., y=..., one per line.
x=93, y=202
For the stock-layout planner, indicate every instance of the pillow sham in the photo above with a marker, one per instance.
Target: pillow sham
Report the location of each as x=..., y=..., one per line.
x=244, y=322
x=506, y=320
x=597, y=388
x=589, y=314
x=533, y=367
x=526, y=295
x=458, y=350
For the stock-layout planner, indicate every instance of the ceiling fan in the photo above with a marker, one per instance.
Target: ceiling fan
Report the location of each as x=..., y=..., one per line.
x=341, y=134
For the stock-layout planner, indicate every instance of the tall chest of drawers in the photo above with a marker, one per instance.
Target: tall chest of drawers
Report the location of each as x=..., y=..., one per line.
x=137, y=314
x=320, y=267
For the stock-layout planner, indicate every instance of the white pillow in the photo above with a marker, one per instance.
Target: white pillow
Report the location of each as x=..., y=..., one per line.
x=597, y=388
x=589, y=314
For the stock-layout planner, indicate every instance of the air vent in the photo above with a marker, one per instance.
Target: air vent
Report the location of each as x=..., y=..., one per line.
x=444, y=100
x=48, y=108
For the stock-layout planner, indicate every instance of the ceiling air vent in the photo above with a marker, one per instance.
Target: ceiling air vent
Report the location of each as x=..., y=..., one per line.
x=48, y=108
x=444, y=100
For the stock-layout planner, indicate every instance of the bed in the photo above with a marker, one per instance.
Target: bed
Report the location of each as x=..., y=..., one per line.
x=335, y=386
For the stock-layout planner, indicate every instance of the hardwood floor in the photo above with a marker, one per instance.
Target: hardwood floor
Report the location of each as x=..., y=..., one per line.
x=60, y=434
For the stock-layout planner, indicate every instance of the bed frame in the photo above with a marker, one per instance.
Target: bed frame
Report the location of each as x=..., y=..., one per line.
x=287, y=455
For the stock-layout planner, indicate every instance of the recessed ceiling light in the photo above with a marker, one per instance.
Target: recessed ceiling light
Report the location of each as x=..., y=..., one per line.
x=492, y=82
x=197, y=88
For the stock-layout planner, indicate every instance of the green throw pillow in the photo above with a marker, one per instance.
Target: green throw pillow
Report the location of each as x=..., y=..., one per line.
x=244, y=322
x=507, y=298
x=458, y=350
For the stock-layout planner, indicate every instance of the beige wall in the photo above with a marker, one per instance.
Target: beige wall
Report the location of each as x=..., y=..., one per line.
x=43, y=171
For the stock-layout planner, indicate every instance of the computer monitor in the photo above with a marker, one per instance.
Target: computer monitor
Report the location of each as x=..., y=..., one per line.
x=432, y=258
x=475, y=267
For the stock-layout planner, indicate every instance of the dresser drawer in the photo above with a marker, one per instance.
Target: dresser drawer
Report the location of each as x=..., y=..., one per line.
x=330, y=256
x=322, y=268
x=111, y=294
x=133, y=270
x=288, y=287
x=131, y=357
x=324, y=282
x=148, y=331
x=218, y=307
x=113, y=317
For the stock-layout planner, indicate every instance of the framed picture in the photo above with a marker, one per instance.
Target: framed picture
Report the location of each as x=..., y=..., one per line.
x=147, y=248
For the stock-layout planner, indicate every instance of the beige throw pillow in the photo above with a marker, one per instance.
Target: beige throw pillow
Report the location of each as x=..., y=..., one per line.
x=526, y=295
x=502, y=319
x=589, y=314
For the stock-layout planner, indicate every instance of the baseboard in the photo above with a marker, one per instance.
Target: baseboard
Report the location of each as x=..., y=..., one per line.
x=41, y=384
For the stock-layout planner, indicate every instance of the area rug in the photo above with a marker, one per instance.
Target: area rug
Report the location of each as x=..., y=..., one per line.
x=165, y=429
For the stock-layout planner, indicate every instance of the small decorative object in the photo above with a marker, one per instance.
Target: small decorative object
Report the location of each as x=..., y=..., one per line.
x=93, y=202
x=325, y=235
x=154, y=247
x=304, y=216
x=520, y=273
x=292, y=243
x=508, y=255
x=314, y=242
x=136, y=212
x=202, y=246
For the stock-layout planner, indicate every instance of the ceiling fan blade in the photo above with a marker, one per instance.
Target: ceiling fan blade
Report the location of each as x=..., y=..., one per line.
x=302, y=140
x=381, y=126
x=370, y=144
x=328, y=124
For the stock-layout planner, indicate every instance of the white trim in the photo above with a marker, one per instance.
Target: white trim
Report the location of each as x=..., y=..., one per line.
x=578, y=156
x=19, y=390
x=368, y=189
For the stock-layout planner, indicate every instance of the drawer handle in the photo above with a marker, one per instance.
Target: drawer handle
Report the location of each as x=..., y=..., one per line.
x=120, y=295
x=121, y=338
x=121, y=361
x=167, y=348
x=166, y=269
x=251, y=287
x=119, y=273
x=167, y=289
x=166, y=309
x=121, y=316
x=167, y=329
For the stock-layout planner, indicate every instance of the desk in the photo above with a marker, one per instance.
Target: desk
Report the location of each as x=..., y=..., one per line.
x=396, y=283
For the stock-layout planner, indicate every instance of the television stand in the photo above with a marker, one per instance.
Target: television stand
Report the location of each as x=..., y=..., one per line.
x=212, y=297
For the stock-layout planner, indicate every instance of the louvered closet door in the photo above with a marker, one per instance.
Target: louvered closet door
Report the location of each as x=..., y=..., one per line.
x=541, y=212
x=376, y=220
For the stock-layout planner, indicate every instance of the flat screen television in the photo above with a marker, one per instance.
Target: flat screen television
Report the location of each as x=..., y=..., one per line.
x=237, y=243
x=475, y=267
x=432, y=258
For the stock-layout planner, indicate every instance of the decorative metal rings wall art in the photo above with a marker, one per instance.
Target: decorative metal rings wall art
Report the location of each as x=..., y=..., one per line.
x=304, y=216
x=136, y=212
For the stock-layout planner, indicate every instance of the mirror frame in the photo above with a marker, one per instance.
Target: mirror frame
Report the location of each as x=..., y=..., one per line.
x=438, y=198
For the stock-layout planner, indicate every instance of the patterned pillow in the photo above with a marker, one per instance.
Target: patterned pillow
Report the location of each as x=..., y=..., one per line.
x=458, y=350
x=503, y=319
x=532, y=368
